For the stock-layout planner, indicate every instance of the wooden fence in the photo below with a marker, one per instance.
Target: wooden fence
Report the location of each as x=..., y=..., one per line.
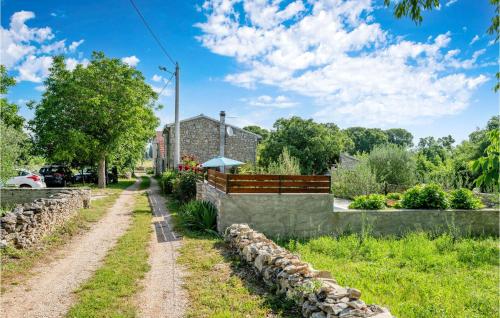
x=240, y=183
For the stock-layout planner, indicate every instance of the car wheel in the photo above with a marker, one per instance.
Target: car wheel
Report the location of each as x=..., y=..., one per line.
x=24, y=186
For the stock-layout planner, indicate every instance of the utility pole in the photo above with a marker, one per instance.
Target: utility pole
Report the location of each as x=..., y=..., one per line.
x=177, y=142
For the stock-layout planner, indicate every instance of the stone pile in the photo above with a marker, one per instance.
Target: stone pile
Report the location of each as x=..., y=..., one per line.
x=316, y=292
x=27, y=223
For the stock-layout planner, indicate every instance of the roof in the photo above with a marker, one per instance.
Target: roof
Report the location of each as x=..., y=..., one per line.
x=200, y=116
x=161, y=143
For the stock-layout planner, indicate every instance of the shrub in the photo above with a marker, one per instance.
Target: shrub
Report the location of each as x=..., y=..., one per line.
x=167, y=181
x=368, y=202
x=392, y=164
x=198, y=216
x=393, y=196
x=352, y=182
x=285, y=165
x=184, y=186
x=430, y=196
x=464, y=199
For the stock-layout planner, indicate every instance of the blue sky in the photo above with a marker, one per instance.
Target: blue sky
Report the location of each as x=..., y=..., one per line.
x=347, y=62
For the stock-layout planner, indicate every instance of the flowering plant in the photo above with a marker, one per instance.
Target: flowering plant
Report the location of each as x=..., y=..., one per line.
x=189, y=163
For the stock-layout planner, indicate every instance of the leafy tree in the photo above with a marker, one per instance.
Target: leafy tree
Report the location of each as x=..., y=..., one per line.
x=434, y=150
x=392, y=164
x=400, y=137
x=264, y=133
x=365, y=139
x=489, y=164
x=10, y=149
x=9, y=111
x=314, y=145
x=95, y=113
x=13, y=140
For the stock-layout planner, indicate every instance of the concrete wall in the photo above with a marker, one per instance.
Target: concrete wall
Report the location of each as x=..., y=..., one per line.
x=306, y=215
x=12, y=196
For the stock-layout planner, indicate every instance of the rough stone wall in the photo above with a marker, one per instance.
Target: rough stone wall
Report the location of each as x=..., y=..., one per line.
x=200, y=137
x=316, y=292
x=12, y=196
x=27, y=223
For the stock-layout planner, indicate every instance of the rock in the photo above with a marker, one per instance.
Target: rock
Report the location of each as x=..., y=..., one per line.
x=318, y=315
x=354, y=293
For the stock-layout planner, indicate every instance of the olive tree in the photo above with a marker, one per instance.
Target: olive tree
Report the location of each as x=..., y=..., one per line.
x=93, y=112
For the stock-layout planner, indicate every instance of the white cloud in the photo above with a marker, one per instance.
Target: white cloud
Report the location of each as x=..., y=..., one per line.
x=40, y=88
x=450, y=2
x=74, y=45
x=131, y=60
x=71, y=63
x=162, y=91
x=491, y=42
x=156, y=78
x=34, y=69
x=270, y=102
x=474, y=39
x=332, y=52
x=25, y=49
x=54, y=48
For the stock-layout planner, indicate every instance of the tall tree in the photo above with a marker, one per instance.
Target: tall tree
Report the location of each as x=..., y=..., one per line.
x=365, y=139
x=95, y=112
x=400, y=137
x=314, y=145
x=489, y=164
x=9, y=111
x=264, y=133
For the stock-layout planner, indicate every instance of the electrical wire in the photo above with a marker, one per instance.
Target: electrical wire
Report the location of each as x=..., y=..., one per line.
x=159, y=94
x=151, y=31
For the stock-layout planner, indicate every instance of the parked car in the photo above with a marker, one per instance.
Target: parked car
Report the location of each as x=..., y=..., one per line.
x=26, y=179
x=88, y=175
x=57, y=175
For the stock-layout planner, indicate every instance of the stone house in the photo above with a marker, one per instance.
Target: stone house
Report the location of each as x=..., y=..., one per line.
x=206, y=138
x=158, y=144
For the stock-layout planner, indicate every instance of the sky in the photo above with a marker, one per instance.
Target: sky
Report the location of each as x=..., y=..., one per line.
x=347, y=62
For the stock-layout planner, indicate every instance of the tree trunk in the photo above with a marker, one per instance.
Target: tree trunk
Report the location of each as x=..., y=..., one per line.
x=101, y=172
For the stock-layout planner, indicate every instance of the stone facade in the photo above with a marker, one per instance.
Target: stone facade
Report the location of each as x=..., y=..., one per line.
x=316, y=292
x=27, y=223
x=200, y=136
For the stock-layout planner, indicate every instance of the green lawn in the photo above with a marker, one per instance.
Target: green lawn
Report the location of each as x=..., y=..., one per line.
x=109, y=292
x=414, y=276
x=16, y=263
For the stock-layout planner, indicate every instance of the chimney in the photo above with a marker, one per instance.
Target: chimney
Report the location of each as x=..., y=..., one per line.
x=222, y=133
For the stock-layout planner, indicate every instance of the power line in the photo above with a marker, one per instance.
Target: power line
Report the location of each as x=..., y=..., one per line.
x=151, y=31
x=159, y=94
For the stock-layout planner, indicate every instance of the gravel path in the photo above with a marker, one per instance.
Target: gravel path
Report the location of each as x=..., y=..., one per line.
x=49, y=292
x=162, y=294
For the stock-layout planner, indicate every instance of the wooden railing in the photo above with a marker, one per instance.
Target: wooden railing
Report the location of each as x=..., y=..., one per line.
x=248, y=183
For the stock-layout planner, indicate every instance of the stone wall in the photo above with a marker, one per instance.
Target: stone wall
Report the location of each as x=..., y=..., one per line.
x=27, y=223
x=12, y=196
x=309, y=215
x=316, y=292
x=201, y=137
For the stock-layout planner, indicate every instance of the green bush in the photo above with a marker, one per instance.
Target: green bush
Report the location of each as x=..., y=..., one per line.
x=198, y=216
x=184, y=186
x=393, y=196
x=351, y=182
x=167, y=181
x=429, y=196
x=464, y=199
x=368, y=202
x=392, y=164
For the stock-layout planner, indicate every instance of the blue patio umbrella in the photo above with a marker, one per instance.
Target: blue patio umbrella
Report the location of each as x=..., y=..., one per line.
x=221, y=162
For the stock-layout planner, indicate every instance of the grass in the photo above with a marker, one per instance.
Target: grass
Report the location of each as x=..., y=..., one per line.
x=17, y=263
x=415, y=276
x=109, y=293
x=145, y=183
x=221, y=286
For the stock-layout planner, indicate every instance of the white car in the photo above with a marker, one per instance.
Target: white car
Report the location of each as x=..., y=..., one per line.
x=26, y=179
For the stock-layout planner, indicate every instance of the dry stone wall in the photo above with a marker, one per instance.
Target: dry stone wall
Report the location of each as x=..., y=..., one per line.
x=27, y=223
x=316, y=292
